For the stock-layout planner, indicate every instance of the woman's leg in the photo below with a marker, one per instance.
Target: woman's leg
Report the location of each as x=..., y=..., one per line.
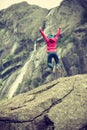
x=56, y=58
x=49, y=60
x=58, y=65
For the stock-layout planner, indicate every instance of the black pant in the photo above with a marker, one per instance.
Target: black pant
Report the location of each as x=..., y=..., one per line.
x=49, y=59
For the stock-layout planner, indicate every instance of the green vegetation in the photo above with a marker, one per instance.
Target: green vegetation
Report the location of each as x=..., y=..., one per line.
x=64, y=38
x=36, y=82
x=0, y=82
x=10, y=57
x=1, y=63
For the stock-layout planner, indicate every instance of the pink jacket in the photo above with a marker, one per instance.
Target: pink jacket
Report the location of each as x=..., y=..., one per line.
x=51, y=42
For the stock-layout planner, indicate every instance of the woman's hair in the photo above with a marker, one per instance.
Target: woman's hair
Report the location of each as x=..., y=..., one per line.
x=50, y=36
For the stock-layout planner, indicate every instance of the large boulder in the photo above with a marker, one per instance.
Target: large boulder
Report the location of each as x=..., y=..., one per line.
x=58, y=105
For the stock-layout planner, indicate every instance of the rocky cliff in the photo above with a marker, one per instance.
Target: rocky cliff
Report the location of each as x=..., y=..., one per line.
x=22, y=65
x=58, y=105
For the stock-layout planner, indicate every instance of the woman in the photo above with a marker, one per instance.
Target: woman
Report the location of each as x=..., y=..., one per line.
x=51, y=42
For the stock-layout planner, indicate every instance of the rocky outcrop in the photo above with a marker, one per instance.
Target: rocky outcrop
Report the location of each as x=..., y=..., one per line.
x=17, y=39
x=17, y=36
x=58, y=105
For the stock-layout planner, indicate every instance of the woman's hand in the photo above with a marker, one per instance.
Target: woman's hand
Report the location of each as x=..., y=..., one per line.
x=40, y=28
x=60, y=27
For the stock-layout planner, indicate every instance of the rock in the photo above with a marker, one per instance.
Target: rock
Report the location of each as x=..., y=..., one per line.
x=60, y=105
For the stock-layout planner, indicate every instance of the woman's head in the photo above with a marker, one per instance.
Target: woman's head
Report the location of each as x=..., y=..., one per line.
x=50, y=36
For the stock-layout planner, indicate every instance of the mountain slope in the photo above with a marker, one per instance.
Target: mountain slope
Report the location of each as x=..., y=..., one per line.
x=23, y=64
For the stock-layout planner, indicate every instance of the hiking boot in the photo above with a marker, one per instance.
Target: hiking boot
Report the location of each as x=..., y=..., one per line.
x=54, y=69
x=59, y=68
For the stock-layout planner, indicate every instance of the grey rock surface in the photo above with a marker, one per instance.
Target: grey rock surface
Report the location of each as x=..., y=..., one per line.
x=58, y=105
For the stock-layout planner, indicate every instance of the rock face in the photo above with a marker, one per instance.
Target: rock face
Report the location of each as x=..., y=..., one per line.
x=22, y=65
x=58, y=105
x=19, y=25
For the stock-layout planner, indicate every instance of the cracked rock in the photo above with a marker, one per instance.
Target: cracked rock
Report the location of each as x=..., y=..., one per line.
x=58, y=105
